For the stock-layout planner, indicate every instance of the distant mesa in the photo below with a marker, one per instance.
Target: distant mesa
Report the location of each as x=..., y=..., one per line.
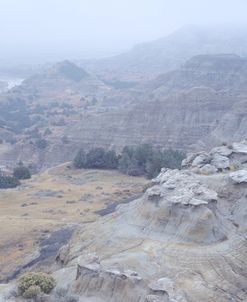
x=218, y=62
x=148, y=60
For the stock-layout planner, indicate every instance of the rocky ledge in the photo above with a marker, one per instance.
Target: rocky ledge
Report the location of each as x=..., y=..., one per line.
x=183, y=241
x=220, y=159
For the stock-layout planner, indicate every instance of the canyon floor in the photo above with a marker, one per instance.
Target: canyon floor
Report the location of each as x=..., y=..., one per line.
x=53, y=204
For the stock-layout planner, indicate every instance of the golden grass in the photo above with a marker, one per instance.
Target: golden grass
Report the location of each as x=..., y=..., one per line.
x=25, y=216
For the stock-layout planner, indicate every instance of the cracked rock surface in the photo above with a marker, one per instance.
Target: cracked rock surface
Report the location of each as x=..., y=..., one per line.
x=184, y=240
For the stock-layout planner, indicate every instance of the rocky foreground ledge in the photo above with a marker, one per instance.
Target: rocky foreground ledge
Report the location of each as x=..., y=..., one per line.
x=184, y=240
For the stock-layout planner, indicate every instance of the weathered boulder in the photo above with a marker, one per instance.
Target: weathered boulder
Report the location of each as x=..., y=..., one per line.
x=208, y=169
x=226, y=157
x=180, y=187
x=222, y=150
x=239, y=177
x=220, y=161
x=188, y=160
x=164, y=176
x=201, y=160
x=240, y=147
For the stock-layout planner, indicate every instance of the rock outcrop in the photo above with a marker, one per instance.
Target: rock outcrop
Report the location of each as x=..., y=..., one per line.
x=239, y=176
x=183, y=241
x=227, y=157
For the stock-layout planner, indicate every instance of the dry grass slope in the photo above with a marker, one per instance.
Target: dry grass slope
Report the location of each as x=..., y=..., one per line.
x=56, y=198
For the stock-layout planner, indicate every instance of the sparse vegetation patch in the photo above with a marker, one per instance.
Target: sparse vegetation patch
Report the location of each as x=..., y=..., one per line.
x=21, y=172
x=134, y=161
x=7, y=182
x=32, y=283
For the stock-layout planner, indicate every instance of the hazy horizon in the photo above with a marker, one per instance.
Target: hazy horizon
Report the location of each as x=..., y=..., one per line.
x=58, y=29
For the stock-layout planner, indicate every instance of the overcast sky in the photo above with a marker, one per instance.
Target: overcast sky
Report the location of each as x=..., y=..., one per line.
x=81, y=28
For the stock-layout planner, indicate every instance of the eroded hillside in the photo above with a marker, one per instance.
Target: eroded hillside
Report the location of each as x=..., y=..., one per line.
x=183, y=240
x=53, y=114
